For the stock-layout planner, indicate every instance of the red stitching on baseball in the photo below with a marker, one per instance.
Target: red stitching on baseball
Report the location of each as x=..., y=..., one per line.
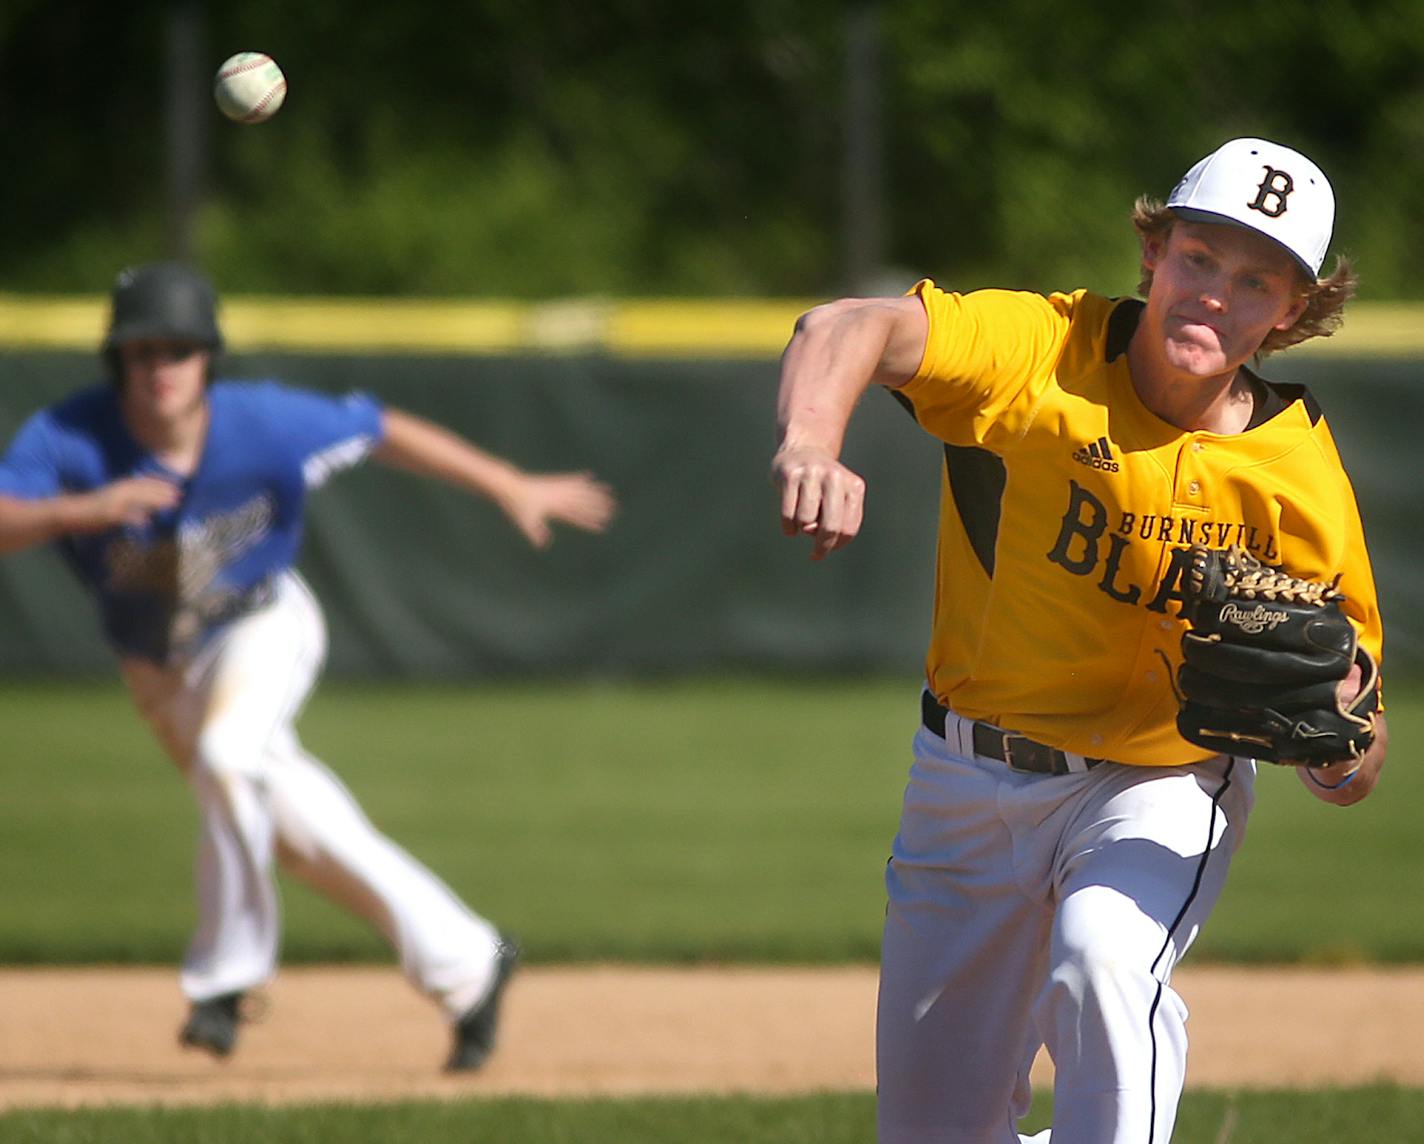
x=272, y=92
x=245, y=66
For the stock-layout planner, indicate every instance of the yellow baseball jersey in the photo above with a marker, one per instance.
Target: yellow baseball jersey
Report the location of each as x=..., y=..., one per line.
x=1067, y=510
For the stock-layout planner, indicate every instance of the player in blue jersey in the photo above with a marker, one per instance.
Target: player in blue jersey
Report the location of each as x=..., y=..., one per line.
x=178, y=500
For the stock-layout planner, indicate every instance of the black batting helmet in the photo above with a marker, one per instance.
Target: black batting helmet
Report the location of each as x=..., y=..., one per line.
x=162, y=300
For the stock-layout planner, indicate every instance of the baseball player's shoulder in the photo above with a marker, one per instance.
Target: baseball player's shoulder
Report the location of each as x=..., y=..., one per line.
x=1095, y=309
x=281, y=396
x=994, y=300
x=250, y=393
x=1289, y=413
x=321, y=433
x=1298, y=399
x=1030, y=322
x=84, y=407
x=1064, y=315
x=267, y=401
x=261, y=415
x=1091, y=329
x=1105, y=324
x=74, y=441
x=83, y=419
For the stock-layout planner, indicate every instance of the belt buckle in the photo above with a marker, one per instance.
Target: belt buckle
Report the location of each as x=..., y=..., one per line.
x=1037, y=759
x=1008, y=746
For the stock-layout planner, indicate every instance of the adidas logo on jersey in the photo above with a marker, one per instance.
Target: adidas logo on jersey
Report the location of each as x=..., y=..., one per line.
x=1097, y=456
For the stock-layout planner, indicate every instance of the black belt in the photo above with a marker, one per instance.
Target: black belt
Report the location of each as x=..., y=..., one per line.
x=1008, y=747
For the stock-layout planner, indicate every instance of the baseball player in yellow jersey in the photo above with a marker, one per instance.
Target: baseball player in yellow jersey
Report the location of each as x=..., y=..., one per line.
x=1061, y=845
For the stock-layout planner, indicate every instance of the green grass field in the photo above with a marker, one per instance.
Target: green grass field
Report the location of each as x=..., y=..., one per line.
x=1344, y=1116
x=742, y=820
x=738, y=820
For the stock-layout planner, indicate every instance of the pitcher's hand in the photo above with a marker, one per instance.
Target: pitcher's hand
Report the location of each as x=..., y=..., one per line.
x=820, y=497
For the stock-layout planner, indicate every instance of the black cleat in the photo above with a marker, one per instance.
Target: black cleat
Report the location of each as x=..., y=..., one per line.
x=475, y=1031
x=212, y=1024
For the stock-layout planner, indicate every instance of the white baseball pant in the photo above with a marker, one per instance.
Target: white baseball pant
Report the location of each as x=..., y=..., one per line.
x=1028, y=910
x=226, y=718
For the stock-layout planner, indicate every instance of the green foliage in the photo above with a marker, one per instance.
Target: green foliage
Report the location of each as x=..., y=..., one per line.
x=699, y=821
x=500, y=149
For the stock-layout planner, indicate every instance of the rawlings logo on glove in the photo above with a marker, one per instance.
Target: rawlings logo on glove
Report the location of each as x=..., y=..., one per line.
x=1257, y=620
x=1263, y=662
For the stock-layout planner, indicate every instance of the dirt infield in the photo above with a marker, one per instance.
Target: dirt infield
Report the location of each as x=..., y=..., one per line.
x=98, y=1036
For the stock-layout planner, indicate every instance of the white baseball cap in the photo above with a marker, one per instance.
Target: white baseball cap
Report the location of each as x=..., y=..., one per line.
x=1264, y=187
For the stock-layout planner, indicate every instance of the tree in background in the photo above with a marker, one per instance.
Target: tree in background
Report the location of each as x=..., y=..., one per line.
x=640, y=148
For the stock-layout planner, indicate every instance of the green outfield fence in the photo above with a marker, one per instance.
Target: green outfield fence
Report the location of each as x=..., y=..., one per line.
x=672, y=402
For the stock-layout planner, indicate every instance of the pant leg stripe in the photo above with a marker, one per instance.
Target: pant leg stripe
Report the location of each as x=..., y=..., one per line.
x=1171, y=930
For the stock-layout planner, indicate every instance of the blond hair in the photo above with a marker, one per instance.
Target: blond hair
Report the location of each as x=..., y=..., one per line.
x=1325, y=298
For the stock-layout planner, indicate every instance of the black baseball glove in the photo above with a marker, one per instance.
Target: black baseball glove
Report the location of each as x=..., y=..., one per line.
x=1264, y=659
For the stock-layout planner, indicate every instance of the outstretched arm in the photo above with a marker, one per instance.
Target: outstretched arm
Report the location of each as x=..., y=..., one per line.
x=25, y=523
x=532, y=501
x=836, y=353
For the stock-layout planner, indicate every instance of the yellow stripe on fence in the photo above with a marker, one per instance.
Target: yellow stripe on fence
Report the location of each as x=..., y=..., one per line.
x=666, y=328
x=51, y=323
x=632, y=329
x=370, y=326
x=703, y=329
x=1374, y=329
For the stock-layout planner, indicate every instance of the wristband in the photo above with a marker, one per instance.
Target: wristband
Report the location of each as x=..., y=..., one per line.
x=1310, y=774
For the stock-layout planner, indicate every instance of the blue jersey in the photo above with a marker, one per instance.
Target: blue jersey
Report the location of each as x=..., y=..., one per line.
x=164, y=587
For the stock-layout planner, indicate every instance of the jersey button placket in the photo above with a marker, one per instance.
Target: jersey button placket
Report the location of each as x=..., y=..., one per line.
x=1189, y=489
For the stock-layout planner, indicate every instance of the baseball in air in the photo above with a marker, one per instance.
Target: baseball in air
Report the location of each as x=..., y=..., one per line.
x=249, y=87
